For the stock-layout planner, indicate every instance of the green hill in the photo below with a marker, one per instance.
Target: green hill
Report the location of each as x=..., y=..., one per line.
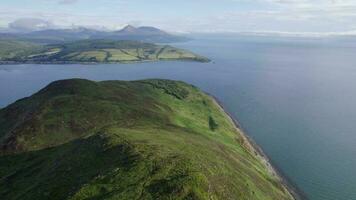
x=12, y=48
x=92, y=51
x=150, y=139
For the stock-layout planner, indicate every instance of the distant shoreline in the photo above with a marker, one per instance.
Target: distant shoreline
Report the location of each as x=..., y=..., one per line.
x=98, y=63
x=286, y=182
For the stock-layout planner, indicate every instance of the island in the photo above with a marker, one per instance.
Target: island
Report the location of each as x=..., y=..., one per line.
x=91, y=51
x=146, y=139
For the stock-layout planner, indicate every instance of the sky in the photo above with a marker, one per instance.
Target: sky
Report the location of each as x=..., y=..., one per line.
x=314, y=16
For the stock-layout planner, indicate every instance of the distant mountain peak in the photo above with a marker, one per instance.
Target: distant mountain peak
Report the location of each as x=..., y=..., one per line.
x=149, y=28
x=129, y=32
x=152, y=30
x=128, y=29
x=142, y=31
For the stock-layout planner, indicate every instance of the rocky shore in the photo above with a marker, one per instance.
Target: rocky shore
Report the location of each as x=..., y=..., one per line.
x=257, y=151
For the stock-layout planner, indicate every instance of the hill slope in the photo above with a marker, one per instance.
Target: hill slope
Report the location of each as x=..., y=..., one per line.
x=150, y=139
x=92, y=51
x=12, y=48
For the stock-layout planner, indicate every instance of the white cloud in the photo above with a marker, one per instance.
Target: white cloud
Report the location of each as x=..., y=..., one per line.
x=67, y=1
x=298, y=15
x=64, y=1
x=30, y=24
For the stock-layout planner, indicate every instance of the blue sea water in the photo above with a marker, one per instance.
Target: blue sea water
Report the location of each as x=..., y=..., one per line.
x=295, y=97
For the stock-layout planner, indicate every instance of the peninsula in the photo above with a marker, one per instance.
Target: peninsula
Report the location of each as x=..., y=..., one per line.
x=91, y=52
x=148, y=139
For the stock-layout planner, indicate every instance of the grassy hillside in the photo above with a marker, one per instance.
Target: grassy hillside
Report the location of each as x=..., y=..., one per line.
x=150, y=139
x=93, y=51
x=11, y=48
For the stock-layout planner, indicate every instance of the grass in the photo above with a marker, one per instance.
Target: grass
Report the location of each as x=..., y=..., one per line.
x=168, y=52
x=9, y=49
x=87, y=56
x=117, y=55
x=92, y=51
x=149, y=139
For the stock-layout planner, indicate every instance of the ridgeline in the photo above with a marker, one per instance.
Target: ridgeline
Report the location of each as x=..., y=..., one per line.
x=149, y=139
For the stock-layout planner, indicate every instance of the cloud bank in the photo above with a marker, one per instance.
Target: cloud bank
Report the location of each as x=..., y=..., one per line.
x=30, y=24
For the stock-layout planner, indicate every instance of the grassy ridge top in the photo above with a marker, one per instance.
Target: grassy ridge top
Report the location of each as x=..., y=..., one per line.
x=149, y=139
x=92, y=51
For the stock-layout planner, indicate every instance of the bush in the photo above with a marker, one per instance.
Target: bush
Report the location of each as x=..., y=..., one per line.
x=212, y=124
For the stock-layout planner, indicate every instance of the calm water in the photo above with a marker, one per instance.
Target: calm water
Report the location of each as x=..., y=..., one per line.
x=296, y=98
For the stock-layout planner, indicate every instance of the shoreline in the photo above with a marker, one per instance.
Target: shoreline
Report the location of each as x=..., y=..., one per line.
x=204, y=60
x=293, y=190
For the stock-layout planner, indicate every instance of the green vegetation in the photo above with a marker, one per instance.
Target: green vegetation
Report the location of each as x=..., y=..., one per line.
x=150, y=139
x=212, y=124
x=92, y=51
x=9, y=49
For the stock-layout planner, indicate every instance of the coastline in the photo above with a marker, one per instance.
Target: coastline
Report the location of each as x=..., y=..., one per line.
x=203, y=60
x=258, y=151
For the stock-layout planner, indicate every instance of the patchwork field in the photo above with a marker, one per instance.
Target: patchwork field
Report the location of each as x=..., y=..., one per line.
x=92, y=51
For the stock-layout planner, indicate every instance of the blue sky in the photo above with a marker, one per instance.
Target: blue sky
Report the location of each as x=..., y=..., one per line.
x=190, y=15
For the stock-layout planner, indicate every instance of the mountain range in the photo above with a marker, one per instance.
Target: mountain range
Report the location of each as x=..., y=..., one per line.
x=144, y=34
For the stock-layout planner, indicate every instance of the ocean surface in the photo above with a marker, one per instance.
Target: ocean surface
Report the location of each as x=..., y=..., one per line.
x=295, y=97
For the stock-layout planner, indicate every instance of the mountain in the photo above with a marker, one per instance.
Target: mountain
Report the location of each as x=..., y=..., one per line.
x=63, y=34
x=144, y=30
x=148, y=139
x=50, y=36
x=144, y=34
x=91, y=51
x=128, y=30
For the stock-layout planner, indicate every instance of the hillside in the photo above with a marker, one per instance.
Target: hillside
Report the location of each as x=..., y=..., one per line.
x=12, y=48
x=149, y=139
x=92, y=51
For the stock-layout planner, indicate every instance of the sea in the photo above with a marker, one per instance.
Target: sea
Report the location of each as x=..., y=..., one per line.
x=295, y=97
